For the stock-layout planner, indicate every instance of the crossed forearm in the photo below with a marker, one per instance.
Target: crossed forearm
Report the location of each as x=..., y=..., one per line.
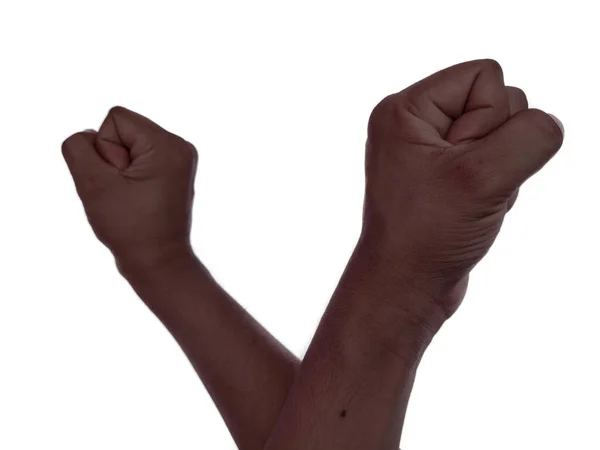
x=351, y=390
x=444, y=161
x=353, y=387
x=245, y=370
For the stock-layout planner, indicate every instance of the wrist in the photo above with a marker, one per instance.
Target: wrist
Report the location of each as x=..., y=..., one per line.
x=391, y=262
x=149, y=261
x=381, y=305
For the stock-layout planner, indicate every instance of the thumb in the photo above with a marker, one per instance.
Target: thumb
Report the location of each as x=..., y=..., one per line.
x=124, y=136
x=516, y=150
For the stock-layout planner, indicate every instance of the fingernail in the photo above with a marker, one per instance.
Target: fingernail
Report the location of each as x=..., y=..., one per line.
x=559, y=123
x=89, y=130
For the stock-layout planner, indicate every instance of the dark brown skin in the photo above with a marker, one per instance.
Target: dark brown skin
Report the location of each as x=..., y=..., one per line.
x=445, y=159
x=135, y=181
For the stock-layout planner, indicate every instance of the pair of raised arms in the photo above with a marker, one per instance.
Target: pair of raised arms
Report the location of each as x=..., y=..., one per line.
x=445, y=159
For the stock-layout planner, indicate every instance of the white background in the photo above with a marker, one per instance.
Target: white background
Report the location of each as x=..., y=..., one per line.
x=276, y=97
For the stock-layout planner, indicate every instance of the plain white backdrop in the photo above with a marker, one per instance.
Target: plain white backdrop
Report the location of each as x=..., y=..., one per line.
x=276, y=97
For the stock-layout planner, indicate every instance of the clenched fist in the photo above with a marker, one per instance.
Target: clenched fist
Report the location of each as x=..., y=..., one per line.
x=136, y=183
x=445, y=158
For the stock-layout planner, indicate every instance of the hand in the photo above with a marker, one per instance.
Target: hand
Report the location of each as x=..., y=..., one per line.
x=444, y=161
x=136, y=183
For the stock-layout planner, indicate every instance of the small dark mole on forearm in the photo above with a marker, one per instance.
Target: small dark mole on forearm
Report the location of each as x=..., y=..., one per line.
x=343, y=413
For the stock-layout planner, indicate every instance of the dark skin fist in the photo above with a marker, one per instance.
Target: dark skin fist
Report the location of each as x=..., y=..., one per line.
x=445, y=159
x=136, y=183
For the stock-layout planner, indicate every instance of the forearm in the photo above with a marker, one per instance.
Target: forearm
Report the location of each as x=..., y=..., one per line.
x=354, y=383
x=246, y=371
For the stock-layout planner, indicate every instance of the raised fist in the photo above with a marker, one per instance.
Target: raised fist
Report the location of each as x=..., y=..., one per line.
x=445, y=158
x=136, y=183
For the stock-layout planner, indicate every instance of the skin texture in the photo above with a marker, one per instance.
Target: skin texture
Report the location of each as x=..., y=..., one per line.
x=135, y=181
x=444, y=162
x=444, y=158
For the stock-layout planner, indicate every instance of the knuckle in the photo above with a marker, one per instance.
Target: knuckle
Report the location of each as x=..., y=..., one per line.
x=183, y=152
x=518, y=98
x=193, y=150
x=385, y=114
x=492, y=65
x=521, y=96
x=382, y=109
x=66, y=144
x=69, y=143
x=115, y=110
x=546, y=126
